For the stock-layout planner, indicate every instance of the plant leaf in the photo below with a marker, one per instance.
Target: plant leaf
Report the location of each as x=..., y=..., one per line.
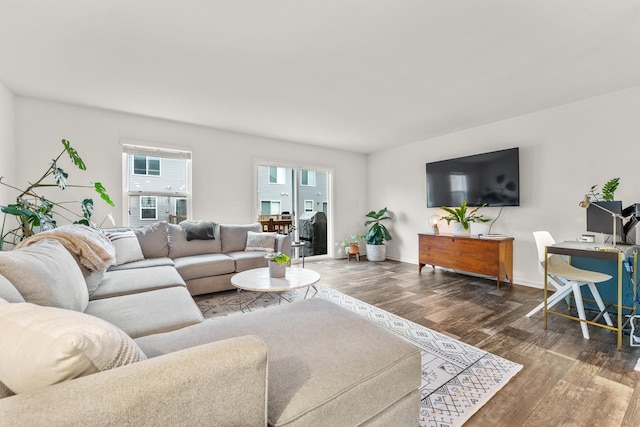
x=75, y=157
x=103, y=193
x=87, y=208
x=60, y=175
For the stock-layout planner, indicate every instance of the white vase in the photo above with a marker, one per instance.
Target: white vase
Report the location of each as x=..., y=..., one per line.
x=277, y=270
x=376, y=252
x=459, y=230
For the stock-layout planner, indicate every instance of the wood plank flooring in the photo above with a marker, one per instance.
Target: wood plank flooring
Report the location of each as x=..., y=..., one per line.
x=566, y=380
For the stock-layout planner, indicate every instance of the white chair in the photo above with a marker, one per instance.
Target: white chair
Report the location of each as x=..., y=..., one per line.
x=568, y=279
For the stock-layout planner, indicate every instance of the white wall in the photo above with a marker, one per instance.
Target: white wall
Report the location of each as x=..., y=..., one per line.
x=223, y=162
x=563, y=152
x=7, y=143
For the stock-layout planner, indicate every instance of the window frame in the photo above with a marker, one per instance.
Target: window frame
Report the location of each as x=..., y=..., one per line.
x=146, y=208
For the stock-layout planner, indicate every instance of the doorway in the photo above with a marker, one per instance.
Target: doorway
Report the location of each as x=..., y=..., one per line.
x=300, y=195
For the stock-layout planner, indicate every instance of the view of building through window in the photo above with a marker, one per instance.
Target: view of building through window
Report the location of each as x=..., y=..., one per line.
x=157, y=184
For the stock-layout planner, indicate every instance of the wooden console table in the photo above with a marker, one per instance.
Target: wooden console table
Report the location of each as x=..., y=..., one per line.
x=489, y=257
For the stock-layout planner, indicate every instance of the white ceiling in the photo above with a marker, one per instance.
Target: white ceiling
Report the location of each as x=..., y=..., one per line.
x=361, y=75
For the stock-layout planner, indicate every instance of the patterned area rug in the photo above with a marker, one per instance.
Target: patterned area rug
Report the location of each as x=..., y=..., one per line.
x=457, y=378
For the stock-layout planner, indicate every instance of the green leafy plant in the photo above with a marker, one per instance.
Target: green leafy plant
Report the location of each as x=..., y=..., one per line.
x=278, y=257
x=355, y=239
x=462, y=216
x=378, y=233
x=608, y=191
x=33, y=211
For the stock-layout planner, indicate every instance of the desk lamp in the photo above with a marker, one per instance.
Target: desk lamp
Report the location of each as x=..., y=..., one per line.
x=433, y=222
x=585, y=204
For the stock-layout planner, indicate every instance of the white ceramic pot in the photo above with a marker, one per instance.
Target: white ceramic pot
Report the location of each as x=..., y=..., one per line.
x=459, y=230
x=277, y=270
x=376, y=252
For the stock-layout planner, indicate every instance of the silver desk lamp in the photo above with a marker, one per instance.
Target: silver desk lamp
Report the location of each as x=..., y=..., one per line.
x=585, y=204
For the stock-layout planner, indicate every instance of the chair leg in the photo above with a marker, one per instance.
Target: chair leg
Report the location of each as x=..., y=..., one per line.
x=580, y=307
x=598, y=298
x=557, y=296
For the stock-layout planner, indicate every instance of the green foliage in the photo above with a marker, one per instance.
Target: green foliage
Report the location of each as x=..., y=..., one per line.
x=278, y=257
x=608, y=190
x=353, y=240
x=33, y=211
x=460, y=215
x=378, y=233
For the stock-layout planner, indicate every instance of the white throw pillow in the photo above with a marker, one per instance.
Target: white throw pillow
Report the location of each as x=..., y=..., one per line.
x=45, y=273
x=265, y=242
x=127, y=246
x=42, y=346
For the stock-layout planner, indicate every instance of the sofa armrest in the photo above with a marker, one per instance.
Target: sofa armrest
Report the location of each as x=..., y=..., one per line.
x=283, y=244
x=220, y=383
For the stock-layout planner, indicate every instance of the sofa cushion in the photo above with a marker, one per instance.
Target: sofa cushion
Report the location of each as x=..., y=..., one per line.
x=46, y=345
x=193, y=267
x=145, y=263
x=234, y=237
x=179, y=246
x=149, y=312
x=153, y=239
x=199, y=230
x=264, y=242
x=127, y=246
x=131, y=281
x=363, y=370
x=246, y=260
x=45, y=273
x=9, y=292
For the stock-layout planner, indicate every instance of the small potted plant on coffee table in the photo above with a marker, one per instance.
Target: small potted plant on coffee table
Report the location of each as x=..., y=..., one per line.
x=277, y=264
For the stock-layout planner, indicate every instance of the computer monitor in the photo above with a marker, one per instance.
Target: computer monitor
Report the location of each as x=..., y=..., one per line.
x=600, y=221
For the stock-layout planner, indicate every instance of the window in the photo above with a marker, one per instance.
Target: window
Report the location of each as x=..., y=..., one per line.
x=148, y=207
x=146, y=165
x=277, y=175
x=156, y=184
x=308, y=178
x=308, y=205
x=270, y=207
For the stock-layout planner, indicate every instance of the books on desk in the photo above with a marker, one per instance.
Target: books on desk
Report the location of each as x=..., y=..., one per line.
x=492, y=236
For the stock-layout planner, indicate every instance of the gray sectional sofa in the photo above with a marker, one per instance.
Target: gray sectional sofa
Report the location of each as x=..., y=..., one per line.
x=132, y=348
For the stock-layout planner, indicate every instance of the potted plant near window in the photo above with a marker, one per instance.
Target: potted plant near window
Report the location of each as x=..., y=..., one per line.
x=376, y=236
x=462, y=218
x=277, y=264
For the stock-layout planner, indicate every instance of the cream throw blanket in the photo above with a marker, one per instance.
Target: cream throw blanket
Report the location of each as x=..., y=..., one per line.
x=93, y=249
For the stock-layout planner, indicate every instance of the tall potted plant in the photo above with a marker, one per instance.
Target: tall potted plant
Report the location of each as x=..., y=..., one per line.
x=376, y=236
x=462, y=218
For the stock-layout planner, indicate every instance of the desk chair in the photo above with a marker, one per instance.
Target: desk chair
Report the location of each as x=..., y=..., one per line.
x=568, y=279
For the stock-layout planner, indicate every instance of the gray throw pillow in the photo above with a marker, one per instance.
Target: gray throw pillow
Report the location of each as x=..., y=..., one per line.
x=199, y=230
x=234, y=236
x=153, y=239
x=45, y=273
x=9, y=292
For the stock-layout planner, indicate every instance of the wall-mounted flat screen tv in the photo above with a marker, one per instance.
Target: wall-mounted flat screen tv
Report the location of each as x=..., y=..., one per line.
x=489, y=178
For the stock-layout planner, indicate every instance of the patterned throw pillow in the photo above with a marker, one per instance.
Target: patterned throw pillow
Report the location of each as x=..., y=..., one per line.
x=42, y=346
x=127, y=246
x=265, y=242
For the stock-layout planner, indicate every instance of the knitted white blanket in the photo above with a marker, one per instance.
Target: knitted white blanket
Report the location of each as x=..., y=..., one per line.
x=93, y=249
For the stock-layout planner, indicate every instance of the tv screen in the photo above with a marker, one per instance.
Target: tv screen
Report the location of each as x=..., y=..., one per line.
x=489, y=178
x=600, y=221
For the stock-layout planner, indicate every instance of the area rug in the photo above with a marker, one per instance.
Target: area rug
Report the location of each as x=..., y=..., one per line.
x=457, y=378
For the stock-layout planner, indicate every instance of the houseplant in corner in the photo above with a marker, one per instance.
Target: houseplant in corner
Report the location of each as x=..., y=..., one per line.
x=277, y=264
x=352, y=245
x=377, y=234
x=462, y=219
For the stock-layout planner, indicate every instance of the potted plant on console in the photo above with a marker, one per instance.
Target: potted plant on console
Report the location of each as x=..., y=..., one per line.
x=462, y=218
x=277, y=264
x=376, y=236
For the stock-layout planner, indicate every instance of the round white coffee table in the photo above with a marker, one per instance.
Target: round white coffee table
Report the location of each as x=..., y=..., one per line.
x=258, y=280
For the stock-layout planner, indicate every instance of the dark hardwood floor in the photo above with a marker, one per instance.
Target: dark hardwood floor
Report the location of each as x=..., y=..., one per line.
x=566, y=380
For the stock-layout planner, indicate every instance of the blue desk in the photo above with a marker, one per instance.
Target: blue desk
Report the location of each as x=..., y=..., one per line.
x=593, y=258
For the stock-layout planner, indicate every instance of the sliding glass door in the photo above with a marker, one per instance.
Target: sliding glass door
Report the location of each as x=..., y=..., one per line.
x=295, y=200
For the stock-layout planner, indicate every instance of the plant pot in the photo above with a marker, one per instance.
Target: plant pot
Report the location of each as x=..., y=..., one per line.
x=277, y=270
x=459, y=230
x=376, y=252
x=354, y=248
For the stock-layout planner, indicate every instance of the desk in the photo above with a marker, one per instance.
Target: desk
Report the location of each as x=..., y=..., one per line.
x=589, y=250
